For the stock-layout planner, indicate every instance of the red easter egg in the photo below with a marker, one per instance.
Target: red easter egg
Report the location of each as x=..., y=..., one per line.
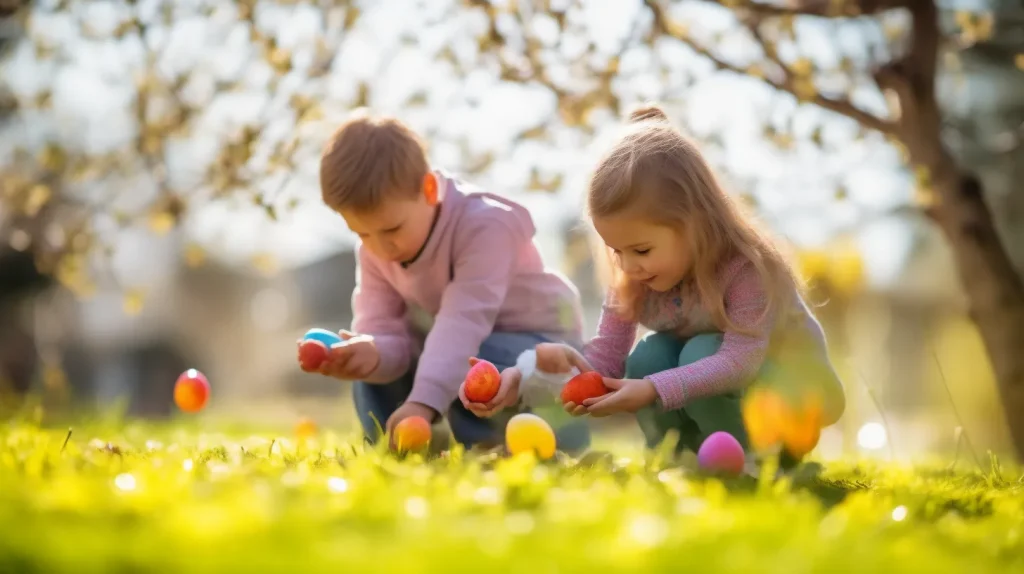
x=482, y=382
x=311, y=354
x=191, y=391
x=584, y=386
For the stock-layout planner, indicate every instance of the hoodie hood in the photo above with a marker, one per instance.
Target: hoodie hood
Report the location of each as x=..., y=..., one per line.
x=460, y=200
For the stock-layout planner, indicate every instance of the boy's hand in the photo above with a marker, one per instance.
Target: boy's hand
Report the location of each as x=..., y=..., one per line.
x=405, y=411
x=560, y=358
x=627, y=396
x=352, y=359
x=508, y=394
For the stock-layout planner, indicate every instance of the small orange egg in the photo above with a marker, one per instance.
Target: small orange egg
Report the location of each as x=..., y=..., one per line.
x=412, y=433
x=763, y=412
x=191, y=391
x=305, y=428
x=801, y=428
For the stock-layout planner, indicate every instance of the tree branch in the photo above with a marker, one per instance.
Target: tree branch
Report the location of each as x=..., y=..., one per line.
x=9, y=7
x=789, y=83
x=819, y=8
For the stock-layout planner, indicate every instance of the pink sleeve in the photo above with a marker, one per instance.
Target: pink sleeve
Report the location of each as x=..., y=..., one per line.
x=738, y=359
x=608, y=350
x=379, y=310
x=483, y=266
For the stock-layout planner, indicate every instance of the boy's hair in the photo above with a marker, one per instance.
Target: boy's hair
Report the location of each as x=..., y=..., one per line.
x=657, y=169
x=369, y=159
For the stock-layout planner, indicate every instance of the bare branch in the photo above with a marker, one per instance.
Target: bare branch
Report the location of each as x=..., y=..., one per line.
x=754, y=26
x=530, y=67
x=789, y=83
x=820, y=8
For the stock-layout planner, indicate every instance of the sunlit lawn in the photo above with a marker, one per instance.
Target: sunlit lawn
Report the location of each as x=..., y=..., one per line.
x=133, y=497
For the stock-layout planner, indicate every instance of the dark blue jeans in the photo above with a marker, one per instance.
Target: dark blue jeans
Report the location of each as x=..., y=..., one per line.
x=502, y=349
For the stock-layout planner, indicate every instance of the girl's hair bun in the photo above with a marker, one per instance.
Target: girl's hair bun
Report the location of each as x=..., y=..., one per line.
x=647, y=112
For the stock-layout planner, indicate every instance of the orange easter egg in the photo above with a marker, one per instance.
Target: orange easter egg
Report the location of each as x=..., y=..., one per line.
x=801, y=429
x=763, y=412
x=412, y=433
x=191, y=391
x=305, y=428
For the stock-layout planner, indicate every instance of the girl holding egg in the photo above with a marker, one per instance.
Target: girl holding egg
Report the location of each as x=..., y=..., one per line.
x=723, y=306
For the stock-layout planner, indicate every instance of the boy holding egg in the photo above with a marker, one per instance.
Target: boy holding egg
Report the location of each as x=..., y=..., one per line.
x=445, y=272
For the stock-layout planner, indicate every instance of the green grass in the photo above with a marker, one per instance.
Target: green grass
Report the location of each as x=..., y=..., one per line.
x=238, y=500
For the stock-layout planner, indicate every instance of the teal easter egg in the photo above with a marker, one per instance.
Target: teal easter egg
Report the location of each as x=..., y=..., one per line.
x=326, y=337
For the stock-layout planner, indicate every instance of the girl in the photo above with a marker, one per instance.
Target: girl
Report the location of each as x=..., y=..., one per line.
x=723, y=305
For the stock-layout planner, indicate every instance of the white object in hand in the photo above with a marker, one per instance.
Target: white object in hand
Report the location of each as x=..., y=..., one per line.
x=538, y=387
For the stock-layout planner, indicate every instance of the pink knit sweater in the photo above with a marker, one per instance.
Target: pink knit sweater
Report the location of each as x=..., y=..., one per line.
x=797, y=339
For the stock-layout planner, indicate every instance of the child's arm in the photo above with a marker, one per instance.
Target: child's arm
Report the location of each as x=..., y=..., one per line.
x=608, y=350
x=379, y=310
x=605, y=353
x=484, y=264
x=523, y=385
x=738, y=358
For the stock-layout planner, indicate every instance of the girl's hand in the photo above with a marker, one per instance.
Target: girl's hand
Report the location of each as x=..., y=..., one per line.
x=560, y=358
x=508, y=394
x=627, y=396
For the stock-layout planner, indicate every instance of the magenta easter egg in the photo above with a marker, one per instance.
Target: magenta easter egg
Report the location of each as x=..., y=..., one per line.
x=721, y=453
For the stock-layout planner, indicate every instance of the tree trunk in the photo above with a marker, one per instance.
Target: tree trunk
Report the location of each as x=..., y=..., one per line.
x=995, y=292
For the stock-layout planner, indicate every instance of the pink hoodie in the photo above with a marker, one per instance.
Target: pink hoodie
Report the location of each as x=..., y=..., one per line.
x=478, y=273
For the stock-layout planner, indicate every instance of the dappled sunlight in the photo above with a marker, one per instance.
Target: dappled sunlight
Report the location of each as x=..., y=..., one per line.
x=166, y=246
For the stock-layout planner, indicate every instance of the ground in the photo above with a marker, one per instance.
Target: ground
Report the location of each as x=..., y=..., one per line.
x=178, y=497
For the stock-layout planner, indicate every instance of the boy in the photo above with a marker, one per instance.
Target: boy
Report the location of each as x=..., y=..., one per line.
x=445, y=272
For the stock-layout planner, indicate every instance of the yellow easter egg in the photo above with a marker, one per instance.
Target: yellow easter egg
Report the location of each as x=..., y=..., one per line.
x=528, y=432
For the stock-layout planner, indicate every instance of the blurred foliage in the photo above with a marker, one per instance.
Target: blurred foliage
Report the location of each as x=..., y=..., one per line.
x=838, y=269
x=58, y=199
x=108, y=497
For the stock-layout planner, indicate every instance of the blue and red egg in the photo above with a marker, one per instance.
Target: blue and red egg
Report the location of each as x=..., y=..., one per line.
x=315, y=347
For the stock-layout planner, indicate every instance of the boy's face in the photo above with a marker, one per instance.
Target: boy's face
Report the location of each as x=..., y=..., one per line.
x=396, y=229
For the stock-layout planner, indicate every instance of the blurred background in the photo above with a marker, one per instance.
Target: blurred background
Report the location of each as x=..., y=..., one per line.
x=160, y=207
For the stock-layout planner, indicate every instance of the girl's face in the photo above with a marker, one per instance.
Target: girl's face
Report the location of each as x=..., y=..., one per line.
x=648, y=252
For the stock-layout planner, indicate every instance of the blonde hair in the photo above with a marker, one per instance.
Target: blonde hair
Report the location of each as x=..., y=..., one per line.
x=653, y=167
x=369, y=159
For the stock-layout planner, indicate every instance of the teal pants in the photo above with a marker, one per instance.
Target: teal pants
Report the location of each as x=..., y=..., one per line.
x=697, y=420
x=700, y=418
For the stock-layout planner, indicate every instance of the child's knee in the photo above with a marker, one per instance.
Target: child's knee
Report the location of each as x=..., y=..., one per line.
x=718, y=413
x=470, y=430
x=654, y=353
x=503, y=349
x=699, y=347
x=573, y=437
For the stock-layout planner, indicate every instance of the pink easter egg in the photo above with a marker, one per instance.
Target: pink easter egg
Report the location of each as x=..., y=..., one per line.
x=721, y=453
